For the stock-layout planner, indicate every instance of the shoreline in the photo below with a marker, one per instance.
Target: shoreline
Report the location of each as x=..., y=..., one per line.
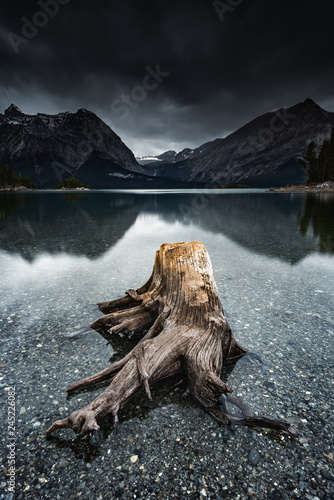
x=23, y=188
x=325, y=187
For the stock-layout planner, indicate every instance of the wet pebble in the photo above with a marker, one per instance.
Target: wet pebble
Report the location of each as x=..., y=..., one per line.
x=254, y=457
x=328, y=475
x=182, y=452
x=62, y=464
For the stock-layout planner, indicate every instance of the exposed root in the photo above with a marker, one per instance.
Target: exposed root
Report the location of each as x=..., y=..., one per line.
x=188, y=333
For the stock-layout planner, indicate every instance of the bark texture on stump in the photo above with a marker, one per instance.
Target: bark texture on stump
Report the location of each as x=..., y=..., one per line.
x=188, y=332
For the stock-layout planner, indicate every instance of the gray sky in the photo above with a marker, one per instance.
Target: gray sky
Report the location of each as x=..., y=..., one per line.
x=166, y=75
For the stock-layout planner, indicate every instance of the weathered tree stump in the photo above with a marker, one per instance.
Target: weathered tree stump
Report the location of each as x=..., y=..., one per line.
x=188, y=333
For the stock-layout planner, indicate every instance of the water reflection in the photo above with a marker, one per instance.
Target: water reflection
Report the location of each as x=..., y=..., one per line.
x=9, y=204
x=90, y=223
x=318, y=216
x=73, y=223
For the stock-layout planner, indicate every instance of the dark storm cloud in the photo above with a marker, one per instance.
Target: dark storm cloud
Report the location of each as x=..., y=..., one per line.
x=215, y=68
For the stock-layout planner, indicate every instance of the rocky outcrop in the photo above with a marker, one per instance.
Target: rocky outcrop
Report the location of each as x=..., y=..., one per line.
x=48, y=148
x=266, y=151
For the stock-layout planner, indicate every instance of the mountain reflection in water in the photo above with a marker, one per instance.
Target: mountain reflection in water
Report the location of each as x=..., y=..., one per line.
x=318, y=216
x=287, y=227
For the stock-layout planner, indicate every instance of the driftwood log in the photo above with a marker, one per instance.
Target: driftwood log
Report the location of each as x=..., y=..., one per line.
x=187, y=332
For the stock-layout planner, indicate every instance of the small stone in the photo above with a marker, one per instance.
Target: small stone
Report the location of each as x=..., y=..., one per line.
x=62, y=464
x=254, y=457
x=203, y=492
x=134, y=458
x=327, y=475
x=303, y=440
x=22, y=410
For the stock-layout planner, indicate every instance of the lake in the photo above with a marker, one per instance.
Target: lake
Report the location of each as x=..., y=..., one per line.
x=273, y=260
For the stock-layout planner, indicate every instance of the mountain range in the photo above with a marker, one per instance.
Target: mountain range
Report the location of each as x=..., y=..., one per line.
x=265, y=152
x=49, y=148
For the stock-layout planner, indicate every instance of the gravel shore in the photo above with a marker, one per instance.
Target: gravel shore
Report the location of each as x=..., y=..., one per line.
x=325, y=187
x=278, y=297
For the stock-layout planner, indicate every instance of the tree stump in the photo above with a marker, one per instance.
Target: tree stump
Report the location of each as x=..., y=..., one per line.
x=188, y=333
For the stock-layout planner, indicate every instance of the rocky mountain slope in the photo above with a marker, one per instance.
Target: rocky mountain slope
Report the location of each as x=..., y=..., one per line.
x=167, y=157
x=266, y=151
x=49, y=148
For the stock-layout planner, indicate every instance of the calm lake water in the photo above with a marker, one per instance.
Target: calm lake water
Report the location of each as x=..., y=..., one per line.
x=273, y=260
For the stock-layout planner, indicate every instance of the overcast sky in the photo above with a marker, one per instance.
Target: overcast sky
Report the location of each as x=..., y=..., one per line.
x=166, y=74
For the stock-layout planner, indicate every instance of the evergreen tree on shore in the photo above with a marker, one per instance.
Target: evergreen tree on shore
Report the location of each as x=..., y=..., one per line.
x=323, y=165
x=320, y=168
x=330, y=158
x=10, y=179
x=71, y=183
x=310, y=162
